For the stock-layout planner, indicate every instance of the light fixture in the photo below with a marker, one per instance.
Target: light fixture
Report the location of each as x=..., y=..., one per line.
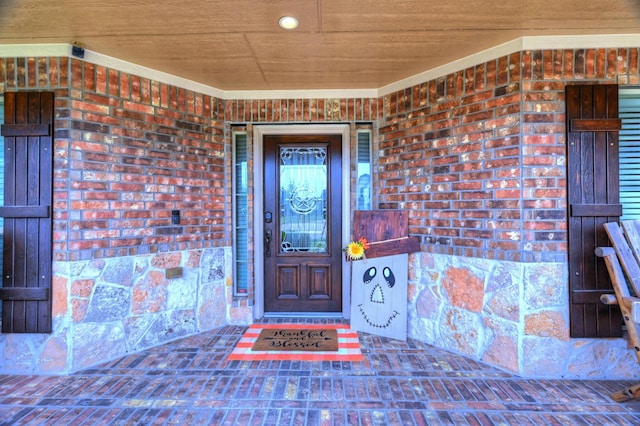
x=288, y=23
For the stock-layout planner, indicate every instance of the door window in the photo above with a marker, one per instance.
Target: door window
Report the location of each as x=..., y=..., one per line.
x=303, y=199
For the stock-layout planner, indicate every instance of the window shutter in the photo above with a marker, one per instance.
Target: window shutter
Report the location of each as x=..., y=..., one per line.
x=1, y=189
x=593, y=198
x=630, y=154
x=28, y=195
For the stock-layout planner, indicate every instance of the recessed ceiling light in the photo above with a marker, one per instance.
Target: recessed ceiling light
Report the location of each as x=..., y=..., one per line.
x=288, y=23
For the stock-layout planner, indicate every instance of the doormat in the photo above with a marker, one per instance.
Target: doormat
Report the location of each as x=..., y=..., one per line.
x=298, y=342
x=301, y=339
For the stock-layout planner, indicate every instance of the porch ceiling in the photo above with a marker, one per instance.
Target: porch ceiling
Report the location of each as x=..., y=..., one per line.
x=348, y=44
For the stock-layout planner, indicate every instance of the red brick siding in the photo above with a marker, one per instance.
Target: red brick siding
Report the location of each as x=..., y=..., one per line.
x=303, y=110
x=128, y=151
x=478, y=156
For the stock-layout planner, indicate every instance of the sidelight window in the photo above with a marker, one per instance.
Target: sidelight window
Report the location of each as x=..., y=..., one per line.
x=240, y=213
x=364, y=169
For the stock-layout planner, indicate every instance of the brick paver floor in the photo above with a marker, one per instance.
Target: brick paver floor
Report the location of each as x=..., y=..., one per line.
x=189, y=381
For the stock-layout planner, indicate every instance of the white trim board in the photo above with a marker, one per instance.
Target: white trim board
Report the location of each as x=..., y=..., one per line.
x=516, y=45
x=258, y=203
x=513, y=46
x=61, y=49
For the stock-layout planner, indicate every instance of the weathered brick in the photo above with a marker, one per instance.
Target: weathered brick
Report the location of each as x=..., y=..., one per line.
x=100, y=79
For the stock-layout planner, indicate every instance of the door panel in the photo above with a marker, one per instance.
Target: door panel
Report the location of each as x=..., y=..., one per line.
x=302, y=223
x=320, y=279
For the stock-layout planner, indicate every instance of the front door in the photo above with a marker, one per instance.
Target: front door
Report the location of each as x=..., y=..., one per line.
x=302, y=223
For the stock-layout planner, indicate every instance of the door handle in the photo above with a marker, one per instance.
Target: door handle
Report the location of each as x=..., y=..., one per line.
x=267, y=243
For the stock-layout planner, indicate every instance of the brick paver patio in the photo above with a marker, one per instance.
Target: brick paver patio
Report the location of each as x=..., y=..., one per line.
x=190, y=381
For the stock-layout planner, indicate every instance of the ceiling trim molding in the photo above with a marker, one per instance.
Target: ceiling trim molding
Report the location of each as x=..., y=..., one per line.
x=152, y=74
x=64, y=49
x=457, y=65
x=516, y=45
x=24, y=50
x=581, y=41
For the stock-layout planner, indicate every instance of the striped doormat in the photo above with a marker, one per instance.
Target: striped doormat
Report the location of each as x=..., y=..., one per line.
x=287, y=343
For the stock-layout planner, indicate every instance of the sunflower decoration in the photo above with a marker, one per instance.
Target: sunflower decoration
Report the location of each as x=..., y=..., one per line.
x=355, y=249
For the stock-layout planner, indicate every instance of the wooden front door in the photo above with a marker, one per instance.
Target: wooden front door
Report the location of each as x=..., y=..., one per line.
x=302, y=223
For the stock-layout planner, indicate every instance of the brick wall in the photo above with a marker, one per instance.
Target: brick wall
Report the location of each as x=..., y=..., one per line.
x=129, y=150
x=478, y=156
x=303, y=110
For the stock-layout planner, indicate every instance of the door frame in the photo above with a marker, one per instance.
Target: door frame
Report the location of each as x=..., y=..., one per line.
x=258, y=158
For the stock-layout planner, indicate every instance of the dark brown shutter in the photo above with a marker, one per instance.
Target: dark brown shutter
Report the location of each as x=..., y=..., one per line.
x=28, y=193
x=593, y=198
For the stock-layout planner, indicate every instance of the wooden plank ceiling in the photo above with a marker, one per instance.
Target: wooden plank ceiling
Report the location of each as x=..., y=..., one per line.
x=340, y=44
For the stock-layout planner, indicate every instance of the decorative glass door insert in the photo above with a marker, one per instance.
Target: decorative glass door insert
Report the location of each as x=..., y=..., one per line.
x=303, y=199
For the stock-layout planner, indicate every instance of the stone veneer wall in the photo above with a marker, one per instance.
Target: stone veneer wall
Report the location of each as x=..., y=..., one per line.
x=478, y=158
x=513, y=315
x=106, y=308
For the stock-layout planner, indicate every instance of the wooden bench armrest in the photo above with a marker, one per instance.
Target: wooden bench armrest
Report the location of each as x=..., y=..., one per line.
x=632, y=304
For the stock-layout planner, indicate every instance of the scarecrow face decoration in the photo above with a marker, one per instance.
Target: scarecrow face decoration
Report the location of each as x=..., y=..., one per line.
x=379, y=296
x=377, y=307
